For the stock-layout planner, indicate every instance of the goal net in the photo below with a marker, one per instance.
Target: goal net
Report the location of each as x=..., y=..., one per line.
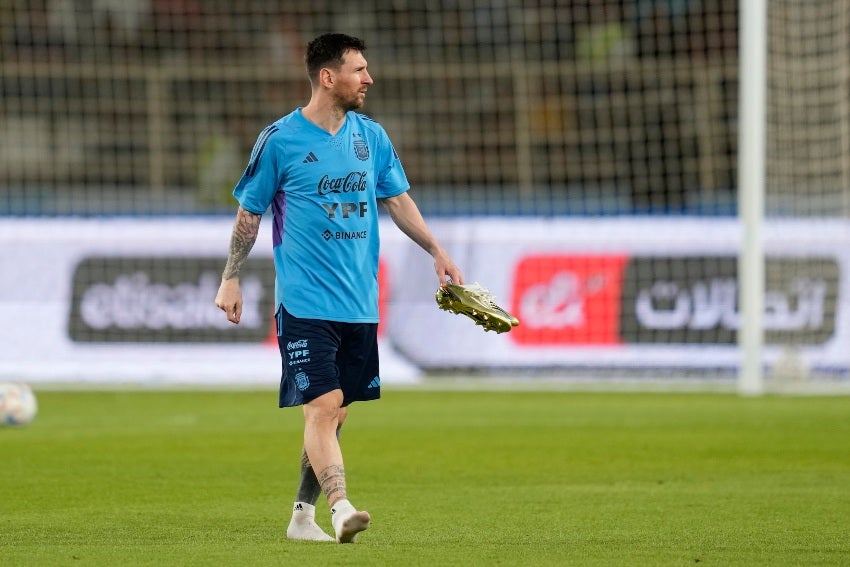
x=807, y=179
x=577, y=157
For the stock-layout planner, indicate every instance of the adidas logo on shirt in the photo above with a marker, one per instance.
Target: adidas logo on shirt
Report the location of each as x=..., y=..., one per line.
x=311, y=158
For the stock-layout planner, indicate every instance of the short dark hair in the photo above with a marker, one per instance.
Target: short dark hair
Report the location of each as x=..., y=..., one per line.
x=328, y=49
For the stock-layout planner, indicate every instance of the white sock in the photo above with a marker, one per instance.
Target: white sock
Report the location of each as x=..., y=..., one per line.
x=303, y=524
x=347, y=521
x=341, y=510
x=302, y=510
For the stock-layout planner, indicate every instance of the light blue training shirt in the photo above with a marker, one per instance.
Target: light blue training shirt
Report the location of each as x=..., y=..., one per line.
x=323, y=190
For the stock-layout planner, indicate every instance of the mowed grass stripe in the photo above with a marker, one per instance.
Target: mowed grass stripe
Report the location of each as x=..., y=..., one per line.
x=451, y=478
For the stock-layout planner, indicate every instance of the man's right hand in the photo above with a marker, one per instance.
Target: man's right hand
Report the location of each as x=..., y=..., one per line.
x=229, y=299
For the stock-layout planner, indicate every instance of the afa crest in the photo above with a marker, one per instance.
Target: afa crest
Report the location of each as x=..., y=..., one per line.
x=302, y=381
x=361, y=150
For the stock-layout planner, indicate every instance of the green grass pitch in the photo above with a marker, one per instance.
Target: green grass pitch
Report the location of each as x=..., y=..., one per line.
x=450, y=478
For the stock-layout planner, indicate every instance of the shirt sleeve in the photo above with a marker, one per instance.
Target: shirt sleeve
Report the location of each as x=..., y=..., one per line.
x=392, y=179
x=262, y=177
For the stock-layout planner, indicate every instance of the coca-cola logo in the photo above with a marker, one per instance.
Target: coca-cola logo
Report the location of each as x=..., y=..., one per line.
x=142, y=300
x=567, y=299
x=352, y=183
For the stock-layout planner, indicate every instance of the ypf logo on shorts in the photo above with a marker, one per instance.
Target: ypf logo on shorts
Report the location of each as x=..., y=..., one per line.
x=564, y=299
x=297, y=352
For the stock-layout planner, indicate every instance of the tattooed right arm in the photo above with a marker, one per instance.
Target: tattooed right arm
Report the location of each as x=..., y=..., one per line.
x=229, y=296
x=245, y=231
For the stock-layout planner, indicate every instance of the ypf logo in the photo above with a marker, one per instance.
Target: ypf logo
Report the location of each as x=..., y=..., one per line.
x=568, y=299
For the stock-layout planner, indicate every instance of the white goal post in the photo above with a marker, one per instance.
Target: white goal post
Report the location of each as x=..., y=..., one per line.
x=751, y=187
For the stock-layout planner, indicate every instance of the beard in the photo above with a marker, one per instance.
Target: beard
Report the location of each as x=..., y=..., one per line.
x=349, y=103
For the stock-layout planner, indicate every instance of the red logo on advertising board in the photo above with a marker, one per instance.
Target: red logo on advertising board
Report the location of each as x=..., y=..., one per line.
x=563, y=299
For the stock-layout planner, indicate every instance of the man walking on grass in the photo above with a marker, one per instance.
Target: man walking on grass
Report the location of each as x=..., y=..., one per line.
x=323, y=168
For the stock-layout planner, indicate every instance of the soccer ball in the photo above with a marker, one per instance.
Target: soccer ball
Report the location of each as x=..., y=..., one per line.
x=18, y=405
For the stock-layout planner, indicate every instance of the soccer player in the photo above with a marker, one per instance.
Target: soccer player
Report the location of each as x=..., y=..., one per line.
x=323, y=169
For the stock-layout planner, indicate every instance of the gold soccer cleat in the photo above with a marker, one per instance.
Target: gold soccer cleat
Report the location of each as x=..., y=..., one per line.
x=478, y=304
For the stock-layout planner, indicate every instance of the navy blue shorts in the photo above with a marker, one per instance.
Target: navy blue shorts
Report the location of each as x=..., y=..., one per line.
x=320, y=356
